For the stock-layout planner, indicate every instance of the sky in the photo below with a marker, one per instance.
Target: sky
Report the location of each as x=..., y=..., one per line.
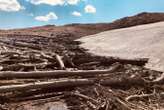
x=29, y=13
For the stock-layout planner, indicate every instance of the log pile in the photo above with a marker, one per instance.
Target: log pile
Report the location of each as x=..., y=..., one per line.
x=32, y=75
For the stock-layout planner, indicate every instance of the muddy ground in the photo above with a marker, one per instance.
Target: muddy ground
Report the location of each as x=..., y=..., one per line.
x=128, y=86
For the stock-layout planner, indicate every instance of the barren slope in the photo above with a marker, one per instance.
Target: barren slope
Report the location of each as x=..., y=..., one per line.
x=146, y=41
x=79, y=30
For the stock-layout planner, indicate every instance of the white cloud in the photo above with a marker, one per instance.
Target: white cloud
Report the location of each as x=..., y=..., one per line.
x=48, y=2
x=50, y=16
x=10, y=5
x=90, y=9
x=54, y=2
x=73, y=2
x=76, y=13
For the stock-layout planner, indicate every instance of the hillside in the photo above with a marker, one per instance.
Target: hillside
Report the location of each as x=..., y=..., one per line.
x=88, y=29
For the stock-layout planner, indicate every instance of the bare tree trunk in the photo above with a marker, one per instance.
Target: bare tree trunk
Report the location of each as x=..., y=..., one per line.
x=126, y=82
x=50, y=84
x=57, y=73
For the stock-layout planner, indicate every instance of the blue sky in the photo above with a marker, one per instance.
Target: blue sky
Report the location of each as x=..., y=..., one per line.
x=28, y=13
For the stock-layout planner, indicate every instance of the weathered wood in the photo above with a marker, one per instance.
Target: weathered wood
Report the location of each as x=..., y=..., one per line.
x=126, y=82
x=80, y=59
x=138, y=62
x=85, y=97
x=55, y=74
x=23, y=44
x=50, y=84
x=159, y=79
x=60, y=62
x=133, y=97
x=17, y=67
x=45, y=56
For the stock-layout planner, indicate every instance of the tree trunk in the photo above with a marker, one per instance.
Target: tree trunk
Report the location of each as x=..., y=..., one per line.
x=57, y=73
x=50, y=84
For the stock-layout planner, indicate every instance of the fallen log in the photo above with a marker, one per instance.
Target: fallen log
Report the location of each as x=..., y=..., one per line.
x=34, y=96
x=23, y=44
x=20, y=44
x=10, y=53
x=48, y=85
x=56, y=74
x=17, y=81
x=90, y=63
x=138, y=62
x=48, y=57
x=19, y=66
x=84, y=97
x=80, y=59
x=60, y=62
x=125, y=82
x=39, y=65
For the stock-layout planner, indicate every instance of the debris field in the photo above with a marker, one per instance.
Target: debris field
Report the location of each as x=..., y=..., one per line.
x=54, y=73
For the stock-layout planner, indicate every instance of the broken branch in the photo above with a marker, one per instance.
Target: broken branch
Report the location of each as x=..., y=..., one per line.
x=60, y=62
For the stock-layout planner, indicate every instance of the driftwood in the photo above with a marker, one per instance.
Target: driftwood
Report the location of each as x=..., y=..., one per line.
x=71, y=83
x=57, y=73
x=159, y=79
x=10, y=53
x=32, y=46
x=18, y=81
x=138, y=62
x=50, y=84
x=132, y=97
x=13, y=61
x=24, y=66
x=45, y=56
x=90, y=63
x=46, y=97
x=60, y=62
x=126, y=82
x=87, y=98
x=20, y=44
x=112, y=60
